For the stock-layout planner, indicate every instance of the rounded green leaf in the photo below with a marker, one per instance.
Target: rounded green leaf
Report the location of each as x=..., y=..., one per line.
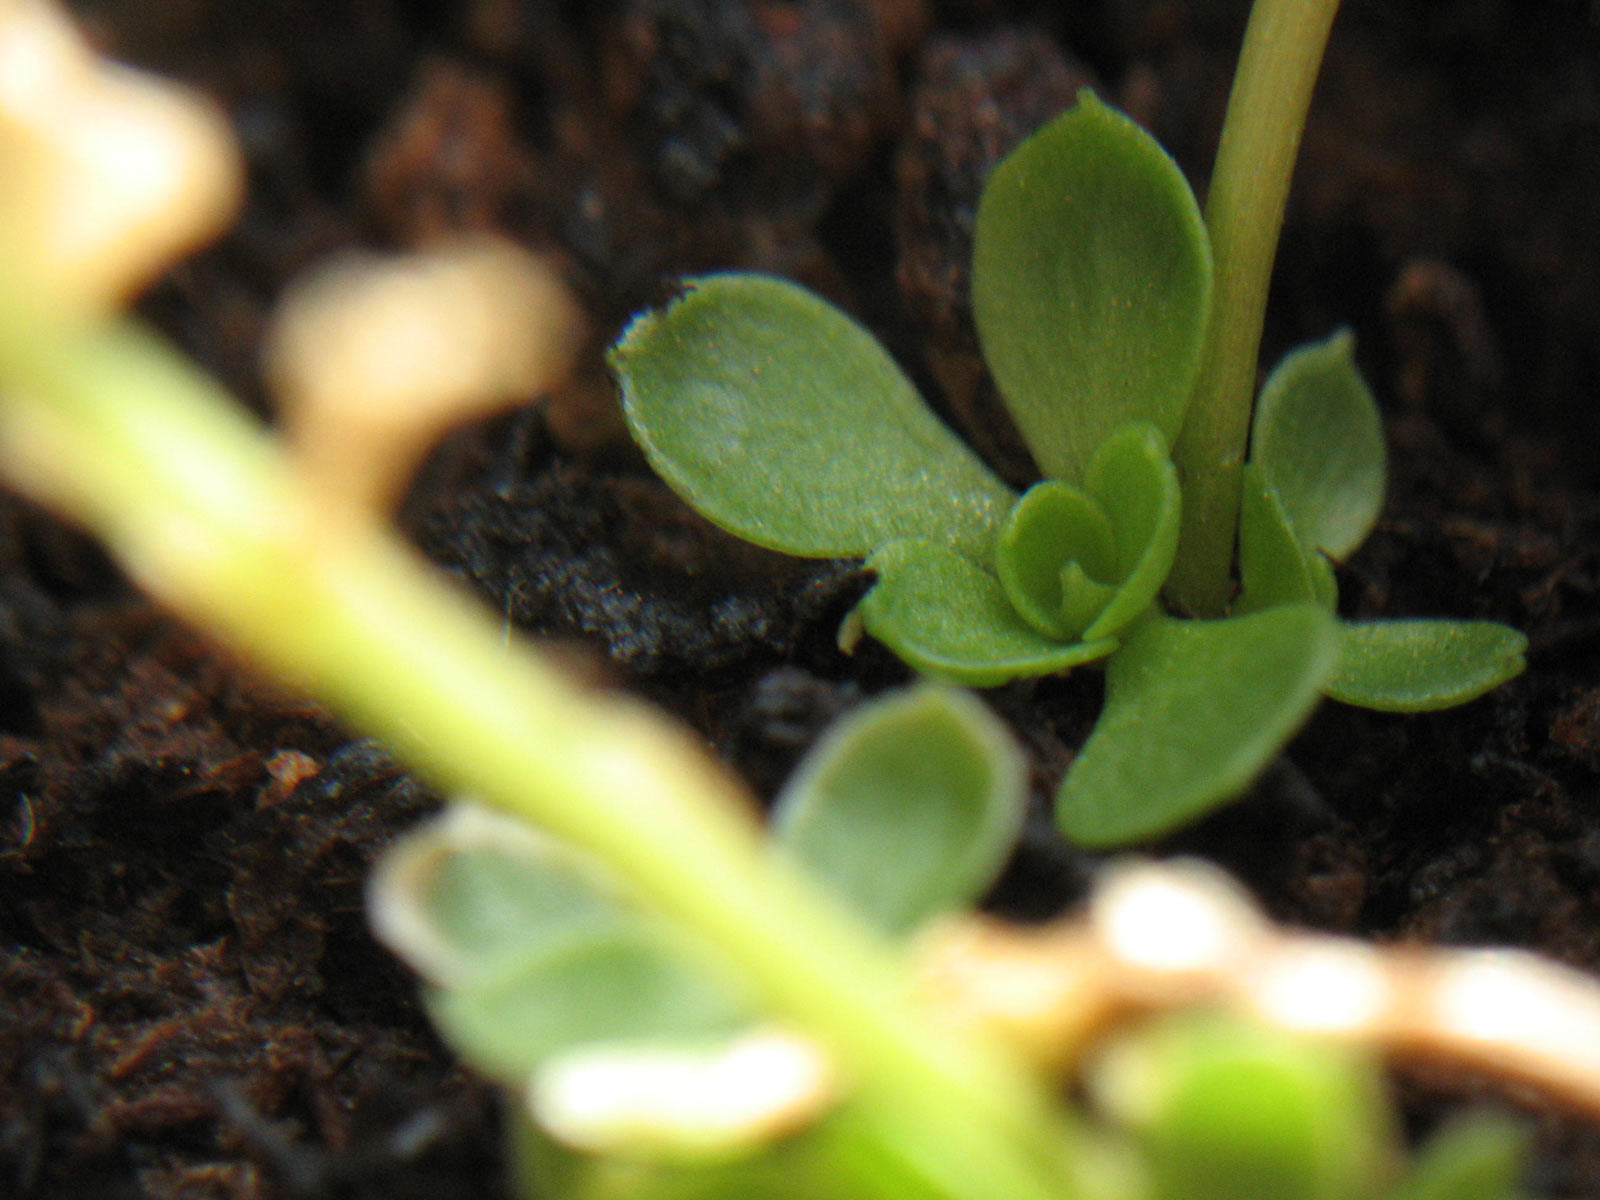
x=908, y=807
x=947, y=617
x=1318, y=440
x=1419, y=666
x=1137, y=485
x=1052, y=526
x=1091, y=285
x=785, y=422
x=1194, y=710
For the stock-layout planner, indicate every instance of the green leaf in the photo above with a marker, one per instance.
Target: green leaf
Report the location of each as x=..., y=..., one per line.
x=532, y=948
x=908, y=807
x=1480, y=1156
x=1080, y=565
x=947, y=617
x=1194, y=709
x=628, y=982
x=786, y=423
x=1274, y=568
x=1137, y=485
x=1223, y=1109
x=1418, y=666
x=1318, y=440
x=1054, y=526
x=1091, y=285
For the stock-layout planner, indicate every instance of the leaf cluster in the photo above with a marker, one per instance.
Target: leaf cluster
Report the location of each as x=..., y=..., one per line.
x=786, y=423
x=622, y=1032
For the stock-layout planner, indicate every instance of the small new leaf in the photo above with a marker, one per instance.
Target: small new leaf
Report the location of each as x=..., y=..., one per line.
x=950, y=619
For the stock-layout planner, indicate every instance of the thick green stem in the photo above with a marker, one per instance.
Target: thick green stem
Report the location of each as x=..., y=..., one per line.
x=112, y=427
x=1244, y=212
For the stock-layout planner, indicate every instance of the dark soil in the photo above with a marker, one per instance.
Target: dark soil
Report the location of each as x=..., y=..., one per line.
x=190, y=1004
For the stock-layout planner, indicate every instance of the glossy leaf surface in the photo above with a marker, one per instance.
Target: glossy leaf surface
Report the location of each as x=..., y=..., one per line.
x=1194, y=709
x=949, y=618
x=1091, y=285
x=1318, y=440
x=786, y=423
x=1418, y=666
x=908, y=807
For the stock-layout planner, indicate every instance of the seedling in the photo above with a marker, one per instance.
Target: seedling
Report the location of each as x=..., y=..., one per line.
x=639, y=1064
x=786, y=423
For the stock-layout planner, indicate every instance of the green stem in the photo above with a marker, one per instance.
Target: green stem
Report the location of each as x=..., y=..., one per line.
x=114, y=428
x=1244, y=212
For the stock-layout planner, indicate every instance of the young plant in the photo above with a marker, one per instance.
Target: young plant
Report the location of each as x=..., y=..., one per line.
x=627, y=1036
x=639, y=1064
x=786, y=423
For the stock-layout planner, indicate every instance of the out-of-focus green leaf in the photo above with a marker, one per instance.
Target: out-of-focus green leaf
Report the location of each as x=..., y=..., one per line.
x=1480, y=1156
x=1091, y=285
x=1418, y=666
x=530, y=949
x=786, y=423
x=1225, y=1110
x=908, y=807
x=629, y=982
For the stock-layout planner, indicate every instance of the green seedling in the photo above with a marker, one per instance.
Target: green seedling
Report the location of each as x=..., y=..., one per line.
x=786, y=423
x=642, y=1066
x=629, y=1038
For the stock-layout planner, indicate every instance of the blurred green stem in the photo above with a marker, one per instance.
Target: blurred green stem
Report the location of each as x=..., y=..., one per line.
x=1272, y=88
x=112, y=427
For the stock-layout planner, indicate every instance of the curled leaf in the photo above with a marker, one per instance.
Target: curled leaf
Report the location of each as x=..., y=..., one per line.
x=1136, y=483
x=927, y=780
x=1418, y=666
x=1081, y=564
x=1056, y=551
x=949, y=618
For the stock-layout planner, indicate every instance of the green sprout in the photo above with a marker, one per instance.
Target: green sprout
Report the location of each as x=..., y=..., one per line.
x=545, y=967
x=641, y=1064
x=784, y=422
